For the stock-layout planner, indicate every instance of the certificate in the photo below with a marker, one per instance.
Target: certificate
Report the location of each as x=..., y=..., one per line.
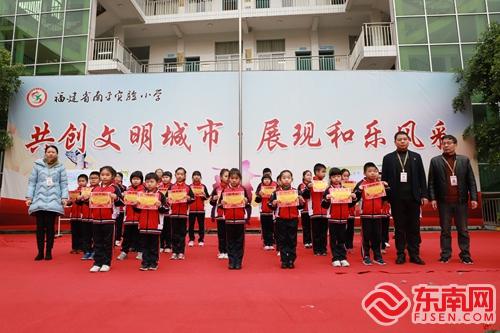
x=73, y=195
x=177, y=196
x=267, y=191
x=100, y=200
x=198, y=190
x=288, y=198
x=351, y=184
x=86, y=191
x=130, y=197
x=374, y=190
x=340, y=195
x=234, y=199
x=147, y=200
x=319, y=186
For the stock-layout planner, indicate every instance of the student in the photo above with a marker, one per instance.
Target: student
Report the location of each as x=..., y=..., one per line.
x=103, y=221
x=221, y=224
x=179, y=211
x=83, y=201
x=119, y=217
x=349, y=240
x=166, y=232
x=76, y=217
x=305, y=219
x=337, y=219
x=235, y=219
x=319, y=220
x=197, y=209
x=150, y=225
x=371, y=215
x=266, y=213
x=159, y=172
x=386, y=210
x=131, y=220
x=287, y=219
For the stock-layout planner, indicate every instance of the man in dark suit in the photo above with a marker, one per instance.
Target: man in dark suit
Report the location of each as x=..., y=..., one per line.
x=404, y=172
x=451, y=184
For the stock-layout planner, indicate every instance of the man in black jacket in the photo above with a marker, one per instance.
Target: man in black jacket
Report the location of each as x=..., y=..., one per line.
x=404, y=172
x=451, y=182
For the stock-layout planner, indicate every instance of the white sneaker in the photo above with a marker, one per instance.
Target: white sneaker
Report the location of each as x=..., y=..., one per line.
x=336, y=263
x=383, y=251
x=266, y=248
x=161, y=250
x=168, y=250
x=174, y=256
x=191, y=244
x=226, y=256
x=344, y=263
x=220, y=256
x=95, y=269
x=138, y=256
x=122, y=256
x=387, y=245
x=278, y=253
x=271, y=247
x=105, y=268
x=201, y=244
x=181, y=256
x=117, y=243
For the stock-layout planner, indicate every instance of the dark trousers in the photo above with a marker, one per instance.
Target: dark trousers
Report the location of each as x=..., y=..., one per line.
x=337, y=240
x=166, y=233
x=178, y=234
x=87, y=243
x=349, y=233
x=150, y=244
x=76, y=234
x=200, y=217
x=385, y=231
x=221, y=236
x=287, y=233
x=235, y=235
x=459, y=213
x=305, y=220
x=131, y=238
x=406, y=216
x=103, y=243
x=319, y=234
x=371, y=231
x=45, y=230
x=267, y=226
x=119, y=226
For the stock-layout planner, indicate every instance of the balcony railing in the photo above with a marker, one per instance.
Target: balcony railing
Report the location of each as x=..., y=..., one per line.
x=114, y=49
x=375, y=36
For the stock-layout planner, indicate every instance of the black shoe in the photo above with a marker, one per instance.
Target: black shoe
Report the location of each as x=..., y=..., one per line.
x=467, y=260
x=444, y=260
x=237, y=266
x=284, y=265
x=231, y=266
x=323, y=254
x=39, y=257
x=400, y=260
x=291, y=265
x=417, y=260
x=48, y=256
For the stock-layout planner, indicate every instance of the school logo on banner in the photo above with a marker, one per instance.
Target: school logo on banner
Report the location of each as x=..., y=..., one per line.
x=36, y=97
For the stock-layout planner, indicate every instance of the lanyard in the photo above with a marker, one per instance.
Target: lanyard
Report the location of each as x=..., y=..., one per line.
x=402, y=163
x=449, y=166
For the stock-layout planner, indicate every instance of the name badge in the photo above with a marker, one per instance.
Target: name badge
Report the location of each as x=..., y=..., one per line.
x=403, y=177
x=453, y=180
x=49, y=181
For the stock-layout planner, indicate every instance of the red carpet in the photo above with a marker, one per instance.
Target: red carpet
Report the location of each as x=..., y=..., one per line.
x=201, y=294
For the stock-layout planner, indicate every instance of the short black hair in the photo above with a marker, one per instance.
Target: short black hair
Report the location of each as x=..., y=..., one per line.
x=152, y=175
x=137, y=174
x=222, y=171
x=235, y=172
x=111, y=170
x=179, y=169
x=167, y=173
x=266, y=176
x=159, y=169
x=95, y=173
x=51, y=146
x=84, y=176
x=449, y=137
x=369, y=165
x=196, y=173
x=335, y=172
x=286, y=171
x=266, y=170
x=120, y=174
x=400, y=133
x=345, y=170
x=318, y=167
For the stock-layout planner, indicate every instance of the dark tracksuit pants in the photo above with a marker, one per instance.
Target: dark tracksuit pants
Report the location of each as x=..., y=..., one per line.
x=287, y=233
x=200, y=217
x=119, y=226
x=319, y=234
x=45, y=230
x=221, y=235
x=166, y=233
x=385, y=231
x=131, y=238
x=178, y=234
x=235, y=235
x=337, y=239
x=349, y=238
x=103, y=234
x=86, y=240
x=371, y=231
x=150, y=244
x=267, y=227
x=305, y=220
x=76, y=234
x=406, y=216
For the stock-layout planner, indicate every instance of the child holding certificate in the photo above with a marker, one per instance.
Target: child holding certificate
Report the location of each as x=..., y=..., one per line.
x=287, y=201
x=234, y=200
x=83, y=200
x=179, y=196
x=346, y=181
x=219, y=213
x=372, y=193
x=264, y=191
x=131, y=220
x=338, y=199
x=76, y=214
x=166, y=232
x=103, y=198
x=305, y=219
x=197, y=209
x=150, y=203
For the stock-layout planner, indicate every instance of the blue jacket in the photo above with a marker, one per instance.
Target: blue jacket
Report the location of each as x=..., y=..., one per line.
x=44, y=197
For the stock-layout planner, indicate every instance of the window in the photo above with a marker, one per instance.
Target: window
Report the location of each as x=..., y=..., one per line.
x=326, y=60
x=271, y=54
x=495, y=18
x=77, y=4
x=411, y=30
x=440, y=6
x=49, y=50
x=52, y=5
x=29, y=6
x=74, y=49
x=229, y=4
x=51, y=24
x=261, y=3
x=6, y=27
x=170, y=65
x=303, y=60
x=26, y=26
x=471, y=6
x=472, y=26
x=409, y=7
x=192, y=64
x=24, y=52
x=468, y=51
x=73, y=69
x=443, y=29
x=226, y=56
x=77, y=23
x=7, y=7
x=494, y=6
x=47, y=70
x=414, y=58
x=445, y=58
x=271, y=45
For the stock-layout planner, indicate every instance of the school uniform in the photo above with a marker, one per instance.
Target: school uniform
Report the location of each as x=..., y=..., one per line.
x=319, y=220
x=87, y=242
x=219, y=217
x=266, y=216
x=120, y=217
x=131, y=239
x=349, y=240
x=305, y=219
x=75, y=216
x=166, y=232
x=179, y=213
x=386, y=210
x=197, y=213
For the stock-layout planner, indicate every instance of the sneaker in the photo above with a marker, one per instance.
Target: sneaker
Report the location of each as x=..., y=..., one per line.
x=138, y=256
x=95, y=269
x=143, y=268
x=174, y=256
x=220, y=256
x=153, y=268
x=278, y=253
x=266, y=248
x=168, y=250
x=444, y=260
x=122, y=256
x=344, y=263
x=226, y=256
x=336, y=263
x=118, y=243
x=367, y=261
x=162, y=250
x=105, y=268
x=387, y=245
x=91, y=256
x=181, y=256
x=191, y=243
x=380, y=261
x=86, y=256
x=383, y=251
x=201, y=244
x=271, y=247
x=323, y=254
x=284, y=265
x=467, y=261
